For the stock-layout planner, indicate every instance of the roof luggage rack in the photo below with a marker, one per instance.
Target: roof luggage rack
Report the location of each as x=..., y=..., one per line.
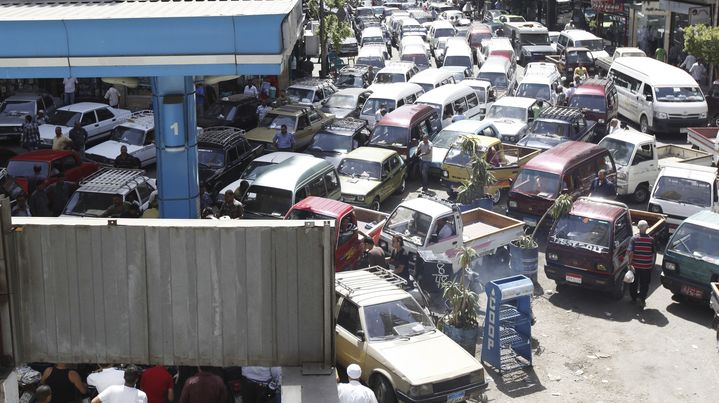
x=221, y=135
x=111, y=180
x=392, y=281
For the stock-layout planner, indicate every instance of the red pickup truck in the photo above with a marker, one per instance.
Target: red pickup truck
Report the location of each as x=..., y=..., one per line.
x=352, y=224
x=51, y=164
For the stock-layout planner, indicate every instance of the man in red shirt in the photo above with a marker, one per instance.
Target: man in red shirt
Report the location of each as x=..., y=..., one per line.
x=157, y=383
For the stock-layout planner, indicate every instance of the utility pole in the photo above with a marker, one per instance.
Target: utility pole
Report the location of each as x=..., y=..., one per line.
x=323, y=41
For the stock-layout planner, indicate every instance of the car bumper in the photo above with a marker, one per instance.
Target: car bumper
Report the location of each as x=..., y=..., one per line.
x=469, y=392
x=578, y=277
x=10, y=135
x=676, y=125
x=352, y=199
x=688, y=288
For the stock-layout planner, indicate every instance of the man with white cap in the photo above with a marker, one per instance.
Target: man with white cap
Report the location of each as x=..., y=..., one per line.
x=642, y=252
x=354, y=391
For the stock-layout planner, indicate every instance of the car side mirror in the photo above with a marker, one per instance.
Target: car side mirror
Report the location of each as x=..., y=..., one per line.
x=434, y=238
x=360, y=335
x=649, y=98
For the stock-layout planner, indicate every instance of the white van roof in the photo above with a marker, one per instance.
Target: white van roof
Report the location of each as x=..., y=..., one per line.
x=395, y=90
x=690, y=171
x=371, y=32
x=430, y=76
x=522, y=102
x=474, y=83
x=443, y=93
x=370, y=51
x=495, y=65
x=579, y=34
x=458, y=49
x=397, y=67
x=414, y=49
x=655, y=72
x=291, y=172
x=442, y=24
x=500, y=44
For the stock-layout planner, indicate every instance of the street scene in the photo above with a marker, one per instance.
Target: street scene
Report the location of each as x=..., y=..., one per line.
x=523, y=201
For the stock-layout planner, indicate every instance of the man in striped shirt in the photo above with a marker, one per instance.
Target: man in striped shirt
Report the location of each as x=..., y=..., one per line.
x=642, y=252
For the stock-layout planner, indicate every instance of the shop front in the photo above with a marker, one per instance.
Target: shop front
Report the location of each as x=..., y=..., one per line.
x=611, y=22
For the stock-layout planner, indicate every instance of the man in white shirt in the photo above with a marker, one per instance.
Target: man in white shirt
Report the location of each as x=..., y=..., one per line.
x=698, y=71
x=424, y=151
x=262, y=110
x=614, y=126
x=250, y=89
x=380, y=113
x=105, y=378
x=126, y=393
x=354, y=391
x=113, y=97
x=688, y=62
x=69, y=83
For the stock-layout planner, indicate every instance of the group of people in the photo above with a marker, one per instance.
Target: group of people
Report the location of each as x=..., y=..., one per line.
x=43, y=198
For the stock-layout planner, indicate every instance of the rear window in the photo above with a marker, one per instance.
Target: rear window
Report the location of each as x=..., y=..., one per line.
x=689, y=191
x=25, y=168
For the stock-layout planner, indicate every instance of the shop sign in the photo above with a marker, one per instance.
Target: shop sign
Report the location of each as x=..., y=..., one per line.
x=608, y=6
x=700, y=15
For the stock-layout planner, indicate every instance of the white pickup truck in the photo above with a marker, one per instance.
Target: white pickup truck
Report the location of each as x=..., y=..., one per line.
x=603, y=63
x=639, y=160
x=705, y=139
x=420, y=222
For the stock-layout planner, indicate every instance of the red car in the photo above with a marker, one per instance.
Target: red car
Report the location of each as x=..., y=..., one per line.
x=51, y=163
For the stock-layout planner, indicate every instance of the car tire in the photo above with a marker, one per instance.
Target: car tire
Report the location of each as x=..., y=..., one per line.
x=641, y=194
x=497, y=197
x=382, y=389
x=619, y=289
x=644, y=125
x=375, y=204
x=402, y=187
x=714, y=120
x=560, y=286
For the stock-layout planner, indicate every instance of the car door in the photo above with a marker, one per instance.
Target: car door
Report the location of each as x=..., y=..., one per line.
x=106, y=119
x=90, y=124
x=303, y=135
x=387, y=186
x=246, y=116
x=449, y=243
x=620, y=242
x=350, y=342
x=397, y=171
x=361, y=99
x=147, y=154
x=646, y=103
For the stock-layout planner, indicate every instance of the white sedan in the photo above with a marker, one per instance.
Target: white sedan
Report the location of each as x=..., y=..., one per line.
x=96, y=118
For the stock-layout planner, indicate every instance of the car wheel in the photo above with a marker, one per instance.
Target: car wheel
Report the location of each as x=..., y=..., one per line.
x=375, y=204
x=403, y=186
x=619, y=289
x=641, y=194
x=497, y=196
x=644, y=125
x=714, y=120
x=382, y=390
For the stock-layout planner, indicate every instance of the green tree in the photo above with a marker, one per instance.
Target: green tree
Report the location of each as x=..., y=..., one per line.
x=335, y=29
x=703, y=42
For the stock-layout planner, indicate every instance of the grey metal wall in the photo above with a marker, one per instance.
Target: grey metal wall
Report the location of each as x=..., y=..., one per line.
x=173, y=292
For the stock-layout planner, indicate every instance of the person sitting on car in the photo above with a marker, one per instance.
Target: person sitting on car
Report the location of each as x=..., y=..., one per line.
x=126, y=160
x=117, y=208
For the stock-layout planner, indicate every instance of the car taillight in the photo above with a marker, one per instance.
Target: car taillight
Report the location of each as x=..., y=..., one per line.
x=670, y=266
x=512, y=204
x=601, y=267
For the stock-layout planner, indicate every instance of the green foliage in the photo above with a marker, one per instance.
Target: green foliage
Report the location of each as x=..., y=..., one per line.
x=702, y=41
x=480, y=174
x=335, y=30
x=462, y=300
x=560, y=207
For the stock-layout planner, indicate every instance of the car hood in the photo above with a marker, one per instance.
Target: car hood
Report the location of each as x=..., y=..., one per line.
x=338, y=112
x=357, y=186
x=47, y=131
x=426, y=358
x=600, y=53
x=539, y=48
x=540, y=142
x=111, y=149
x=330, y=156
x=261, y=134
x=206, y=174
x=438, y=154
x=507, y=126
x=11, y=120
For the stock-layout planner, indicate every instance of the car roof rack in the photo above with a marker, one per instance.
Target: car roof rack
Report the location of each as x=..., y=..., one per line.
x=111, y=180
x=220, y=135
x=146, y=116
x=392, y=281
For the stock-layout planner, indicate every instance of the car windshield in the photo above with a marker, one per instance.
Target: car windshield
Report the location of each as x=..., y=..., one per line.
x=537, y=183
x=359, y=168
x=22, y=169
x=17, y=108
x=267, y=201
x=534, y=39
x=211, y=158
x=400, y=318
x=696, y=241
x=222, y=111
x=595, y=45
x=64, y=118
x=621, y=150
x=475, y=38
x=574, y=229
x=537, y=91
x=550, y=128
x=300, y=95
x=444, y=32
x=595, y=103
x=679, y=94
x=128, y=135
x=88, y=204
x=419, y=59
x=412, y=225
x=298, y=214
x=683, y=190
x=253, y=169
x=349, y=80
x=387, y=78
x=372, y=39
x=373, y=104
x=498, y=80
x=274, y=121
x=342, y=101
x=481, y=94
x=507, y=112
x=461, y=61
x=370, y=61
x=436, y=107
x=575, y=57
x=390, y=135
x=331, y=142
x=445, y=138
x=457, y=156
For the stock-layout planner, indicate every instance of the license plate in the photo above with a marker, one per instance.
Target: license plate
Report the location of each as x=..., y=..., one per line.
x=455, y=397
x=573, y=278
x=531, y=222
x=683, y=130
x=692, y=292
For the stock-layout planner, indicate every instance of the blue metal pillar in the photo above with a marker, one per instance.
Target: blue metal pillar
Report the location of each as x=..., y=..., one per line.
x=173, y=100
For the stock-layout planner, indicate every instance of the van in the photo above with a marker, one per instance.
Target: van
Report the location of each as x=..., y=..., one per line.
x=682, y=190
x=451, y=100
x=568, y=167
x=280, y=186
x=539, y=84
x=402, y=129
x=458, y=58
x=411, y=27
x=416, y=54
x=395, y=72
x=657, y=96
x=485, y=94
x=499, y=71
x=578, y=38
x=371, y=56
x=432, y=78
x=530, y=40
x=496, y=47
x=598, y=98
x=477, y=34
x=392, y=96
x=439, y=29
x=372, y=35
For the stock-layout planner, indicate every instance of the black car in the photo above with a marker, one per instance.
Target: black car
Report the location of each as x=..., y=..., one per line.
x=353, y=77
x=339, y=137
x=223, y=153
x=556, y=125
x=235, y=111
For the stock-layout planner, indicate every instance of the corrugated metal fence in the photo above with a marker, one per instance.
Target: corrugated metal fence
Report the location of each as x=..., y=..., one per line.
x=172, y=292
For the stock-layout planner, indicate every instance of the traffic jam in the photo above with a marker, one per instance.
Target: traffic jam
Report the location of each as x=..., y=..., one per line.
x=444, y=140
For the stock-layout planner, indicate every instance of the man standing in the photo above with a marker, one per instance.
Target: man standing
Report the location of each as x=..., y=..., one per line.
x=688, y=62
x=570, y=92
x=21, y=208
x=262, y=110
x=250, y=88
x=284, y=141
x=698, y=72
x=39, y=201
x=113, y=97
x=370, y=75
x=126, y=393
x=204, y=387
x=107, y=376
x=614, y=126
x=642, y=252
x=424, y=151
x=260, y=384
x=158, y=385
x=30, y=134
x=60, y=142
x=373, y=255
x=70, y=83
x=380, y=113
x=58, y=194
x=231, y=207
x=601, y=187
x=354, y=391
x=36, y=178
x=200, y=99
x=125, y=160
x=537, y=108
x=78, y=135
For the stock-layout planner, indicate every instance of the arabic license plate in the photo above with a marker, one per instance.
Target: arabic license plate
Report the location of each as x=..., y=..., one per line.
x=455, y=397
x=573, y=278
x=693, y=292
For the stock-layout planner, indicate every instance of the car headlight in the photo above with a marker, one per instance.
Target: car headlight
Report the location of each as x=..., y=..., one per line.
x=703, y=115
x=420, y=390
x=482, y=110
x=601, y=267
x=47, y=141
x=670, y=265
x=552, y=256
x=445, y=174
x=661, y=115
x=600, y=121
x=512, y=204
x=476, y=377
x=621, y=175
x=18, y=129
x=360, y=198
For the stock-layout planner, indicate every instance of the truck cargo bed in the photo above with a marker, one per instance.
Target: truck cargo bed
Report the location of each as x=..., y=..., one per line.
x=673, y=154
x=485, y=231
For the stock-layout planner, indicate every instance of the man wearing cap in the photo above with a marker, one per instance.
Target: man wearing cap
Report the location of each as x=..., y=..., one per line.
x=642, y=253
x=354, y=391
